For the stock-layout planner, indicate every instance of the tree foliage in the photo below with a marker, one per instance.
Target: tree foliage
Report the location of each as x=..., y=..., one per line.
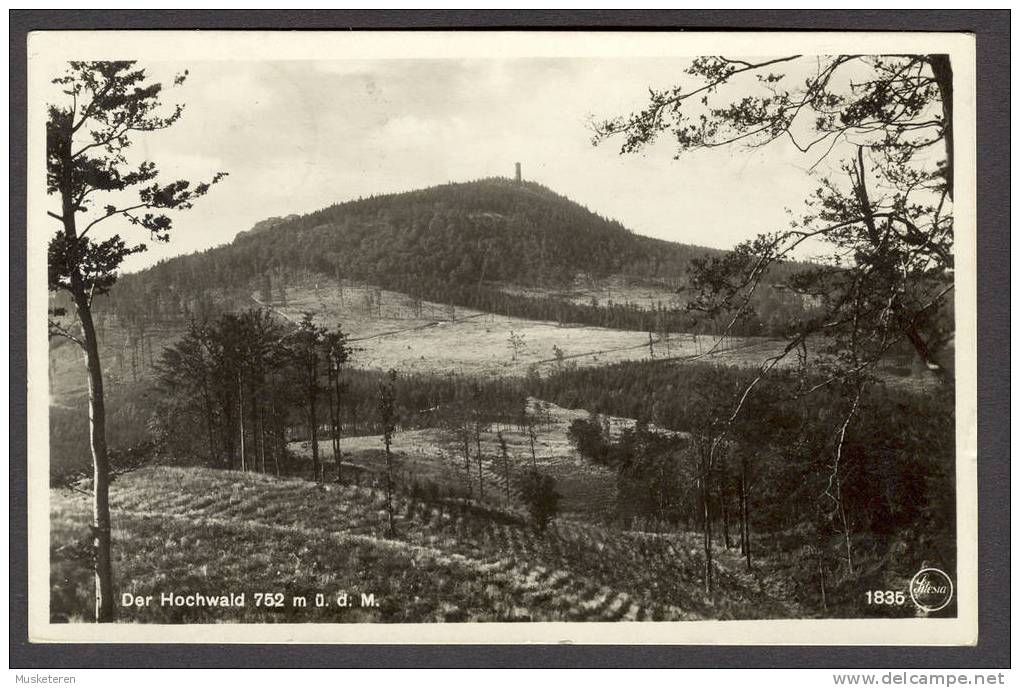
x=87, y=142
x=882, y=215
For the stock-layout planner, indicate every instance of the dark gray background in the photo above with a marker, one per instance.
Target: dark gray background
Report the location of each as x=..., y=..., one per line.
x=992, y=650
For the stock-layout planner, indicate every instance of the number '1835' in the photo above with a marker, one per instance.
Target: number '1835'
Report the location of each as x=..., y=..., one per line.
x=890, y=597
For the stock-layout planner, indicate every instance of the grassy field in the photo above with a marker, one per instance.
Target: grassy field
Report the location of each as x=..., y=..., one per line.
x=186, y=531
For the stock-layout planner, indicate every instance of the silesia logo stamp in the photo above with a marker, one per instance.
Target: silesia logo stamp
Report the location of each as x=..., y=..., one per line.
x=931, y=589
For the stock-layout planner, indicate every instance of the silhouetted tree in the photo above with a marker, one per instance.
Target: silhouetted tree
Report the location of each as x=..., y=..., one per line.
x=337, y=352
x=387, y=416
x=307, y=345
x=87, y=134
x=505, y=455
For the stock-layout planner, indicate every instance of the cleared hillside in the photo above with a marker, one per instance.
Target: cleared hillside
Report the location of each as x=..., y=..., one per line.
x=392, y=330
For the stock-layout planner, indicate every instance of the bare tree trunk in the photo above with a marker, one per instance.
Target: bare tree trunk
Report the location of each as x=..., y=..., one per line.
x=740, y=508
x=279, y=432
x=228, y=428
x=531, y=437
x=707, y=529
x=207, y=399
x=240, y=422
x=906, y=320
x=934, y=360
x=723, y=507
x=478, y=447
x=101, y=529
x=942, y=70
x=389, y=488
x=467, y=461
x=846, y=530
x=262, y=439
x=725, y=512
x=313, y=425
x=821, y=579
x=334, y=409
x=506, y=471
x=253, y=408
x=745, y=534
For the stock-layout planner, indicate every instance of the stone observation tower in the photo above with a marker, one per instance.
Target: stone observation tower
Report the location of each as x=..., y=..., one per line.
x=517, y=170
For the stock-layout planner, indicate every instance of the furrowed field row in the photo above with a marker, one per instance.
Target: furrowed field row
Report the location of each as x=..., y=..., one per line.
x=649, y=571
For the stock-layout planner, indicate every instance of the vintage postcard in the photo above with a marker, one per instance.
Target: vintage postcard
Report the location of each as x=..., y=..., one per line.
x=502, y=337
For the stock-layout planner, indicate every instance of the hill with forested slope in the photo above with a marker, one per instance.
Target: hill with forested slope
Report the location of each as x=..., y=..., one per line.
x=492, y=230
x=494, y=245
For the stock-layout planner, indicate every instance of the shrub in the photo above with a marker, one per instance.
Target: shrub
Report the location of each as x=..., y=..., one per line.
x=587, y=438
x=538, y=491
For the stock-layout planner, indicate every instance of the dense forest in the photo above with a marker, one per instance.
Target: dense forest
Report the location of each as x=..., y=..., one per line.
x=460, y=244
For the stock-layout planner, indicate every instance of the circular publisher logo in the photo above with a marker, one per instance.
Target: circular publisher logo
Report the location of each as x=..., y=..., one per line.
x=931, y=589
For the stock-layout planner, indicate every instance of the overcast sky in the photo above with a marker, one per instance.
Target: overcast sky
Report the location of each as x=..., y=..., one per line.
x=298, y=136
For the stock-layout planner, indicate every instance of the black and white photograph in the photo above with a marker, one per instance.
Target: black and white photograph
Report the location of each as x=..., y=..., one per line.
x=595, y=337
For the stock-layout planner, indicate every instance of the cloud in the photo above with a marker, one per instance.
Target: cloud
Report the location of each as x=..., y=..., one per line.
x=409, y=127
x=342, y=67
x=192, y=166
x=234, y=84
